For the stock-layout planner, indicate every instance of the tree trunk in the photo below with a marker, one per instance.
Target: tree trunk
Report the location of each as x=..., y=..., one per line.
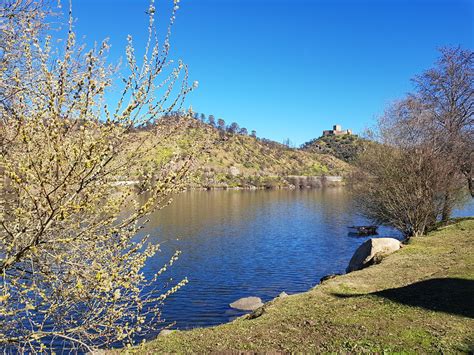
x=447, y=207
x=470, y=184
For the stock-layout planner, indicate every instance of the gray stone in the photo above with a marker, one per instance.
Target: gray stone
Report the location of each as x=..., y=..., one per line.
x=234, y=171
x=283, y=295
x=372, y=251
x=247, y=303
x=334, y=178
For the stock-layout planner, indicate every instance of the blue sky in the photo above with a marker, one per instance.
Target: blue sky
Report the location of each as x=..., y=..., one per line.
x=291, y=68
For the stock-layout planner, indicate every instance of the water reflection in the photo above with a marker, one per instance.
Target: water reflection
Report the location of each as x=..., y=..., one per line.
x=250, y=243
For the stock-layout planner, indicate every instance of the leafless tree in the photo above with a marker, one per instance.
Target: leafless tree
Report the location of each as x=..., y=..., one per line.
x=415, y=175
x=447, y=92
x=404, y=179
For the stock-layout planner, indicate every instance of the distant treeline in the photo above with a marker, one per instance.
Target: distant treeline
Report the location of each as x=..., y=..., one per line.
x=225, y=130
x=219, y=124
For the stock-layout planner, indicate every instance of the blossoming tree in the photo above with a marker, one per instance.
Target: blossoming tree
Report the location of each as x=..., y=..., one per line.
x=70, y=260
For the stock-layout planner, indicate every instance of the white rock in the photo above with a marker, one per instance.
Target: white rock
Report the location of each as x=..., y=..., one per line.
x=372, y=248
x=247, y=303
x=234, y=171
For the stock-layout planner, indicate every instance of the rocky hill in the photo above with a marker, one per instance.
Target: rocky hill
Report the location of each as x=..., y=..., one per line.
x=345, y=147
x=231, y=160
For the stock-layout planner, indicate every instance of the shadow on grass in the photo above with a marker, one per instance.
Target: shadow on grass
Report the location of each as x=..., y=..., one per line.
x=449, y=295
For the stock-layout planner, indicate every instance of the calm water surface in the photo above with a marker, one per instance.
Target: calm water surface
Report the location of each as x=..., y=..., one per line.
x=251, y=243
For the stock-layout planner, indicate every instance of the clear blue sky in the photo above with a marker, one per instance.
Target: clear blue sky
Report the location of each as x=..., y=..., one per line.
x=291, y=68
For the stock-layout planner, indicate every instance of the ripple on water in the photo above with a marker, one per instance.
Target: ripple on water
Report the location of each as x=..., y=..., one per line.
x=251, y=243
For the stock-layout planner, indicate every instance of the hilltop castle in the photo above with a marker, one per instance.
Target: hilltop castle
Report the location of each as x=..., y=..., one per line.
x=336, y=131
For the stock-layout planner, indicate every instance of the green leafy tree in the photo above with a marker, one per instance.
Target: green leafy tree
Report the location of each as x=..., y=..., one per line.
x=233, y=128
x=211, y=120
x=221, y=124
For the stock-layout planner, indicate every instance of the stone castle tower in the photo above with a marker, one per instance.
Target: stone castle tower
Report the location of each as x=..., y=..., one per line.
x=336, y=131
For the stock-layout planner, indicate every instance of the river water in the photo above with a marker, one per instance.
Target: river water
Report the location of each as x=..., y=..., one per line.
x=251, y=243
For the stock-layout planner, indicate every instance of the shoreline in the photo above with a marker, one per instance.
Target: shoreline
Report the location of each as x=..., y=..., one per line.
x=345, y=312
x=291, y=182
x=252, y=188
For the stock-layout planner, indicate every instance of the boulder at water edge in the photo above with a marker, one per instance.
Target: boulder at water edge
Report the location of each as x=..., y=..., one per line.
x=371, y=251
x=247, y=303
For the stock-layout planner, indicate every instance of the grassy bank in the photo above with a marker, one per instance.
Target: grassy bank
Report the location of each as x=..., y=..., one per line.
x=419, y=299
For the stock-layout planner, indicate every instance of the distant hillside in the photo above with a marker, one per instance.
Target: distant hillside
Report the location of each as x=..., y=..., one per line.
x=345, y=147
x=240, y=160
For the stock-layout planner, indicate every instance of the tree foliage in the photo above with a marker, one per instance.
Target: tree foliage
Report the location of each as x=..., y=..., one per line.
x=221, y=124
x=243, y=131
x=211, y=120
x=70, y=259
x=233, y=128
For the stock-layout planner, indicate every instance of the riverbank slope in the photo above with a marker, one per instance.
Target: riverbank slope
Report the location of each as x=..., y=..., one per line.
x=417, y=300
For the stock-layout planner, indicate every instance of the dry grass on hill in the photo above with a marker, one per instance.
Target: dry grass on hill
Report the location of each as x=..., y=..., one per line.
x=233, y=160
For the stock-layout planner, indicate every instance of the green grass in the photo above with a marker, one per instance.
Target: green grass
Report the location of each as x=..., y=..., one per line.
x=418, y=300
